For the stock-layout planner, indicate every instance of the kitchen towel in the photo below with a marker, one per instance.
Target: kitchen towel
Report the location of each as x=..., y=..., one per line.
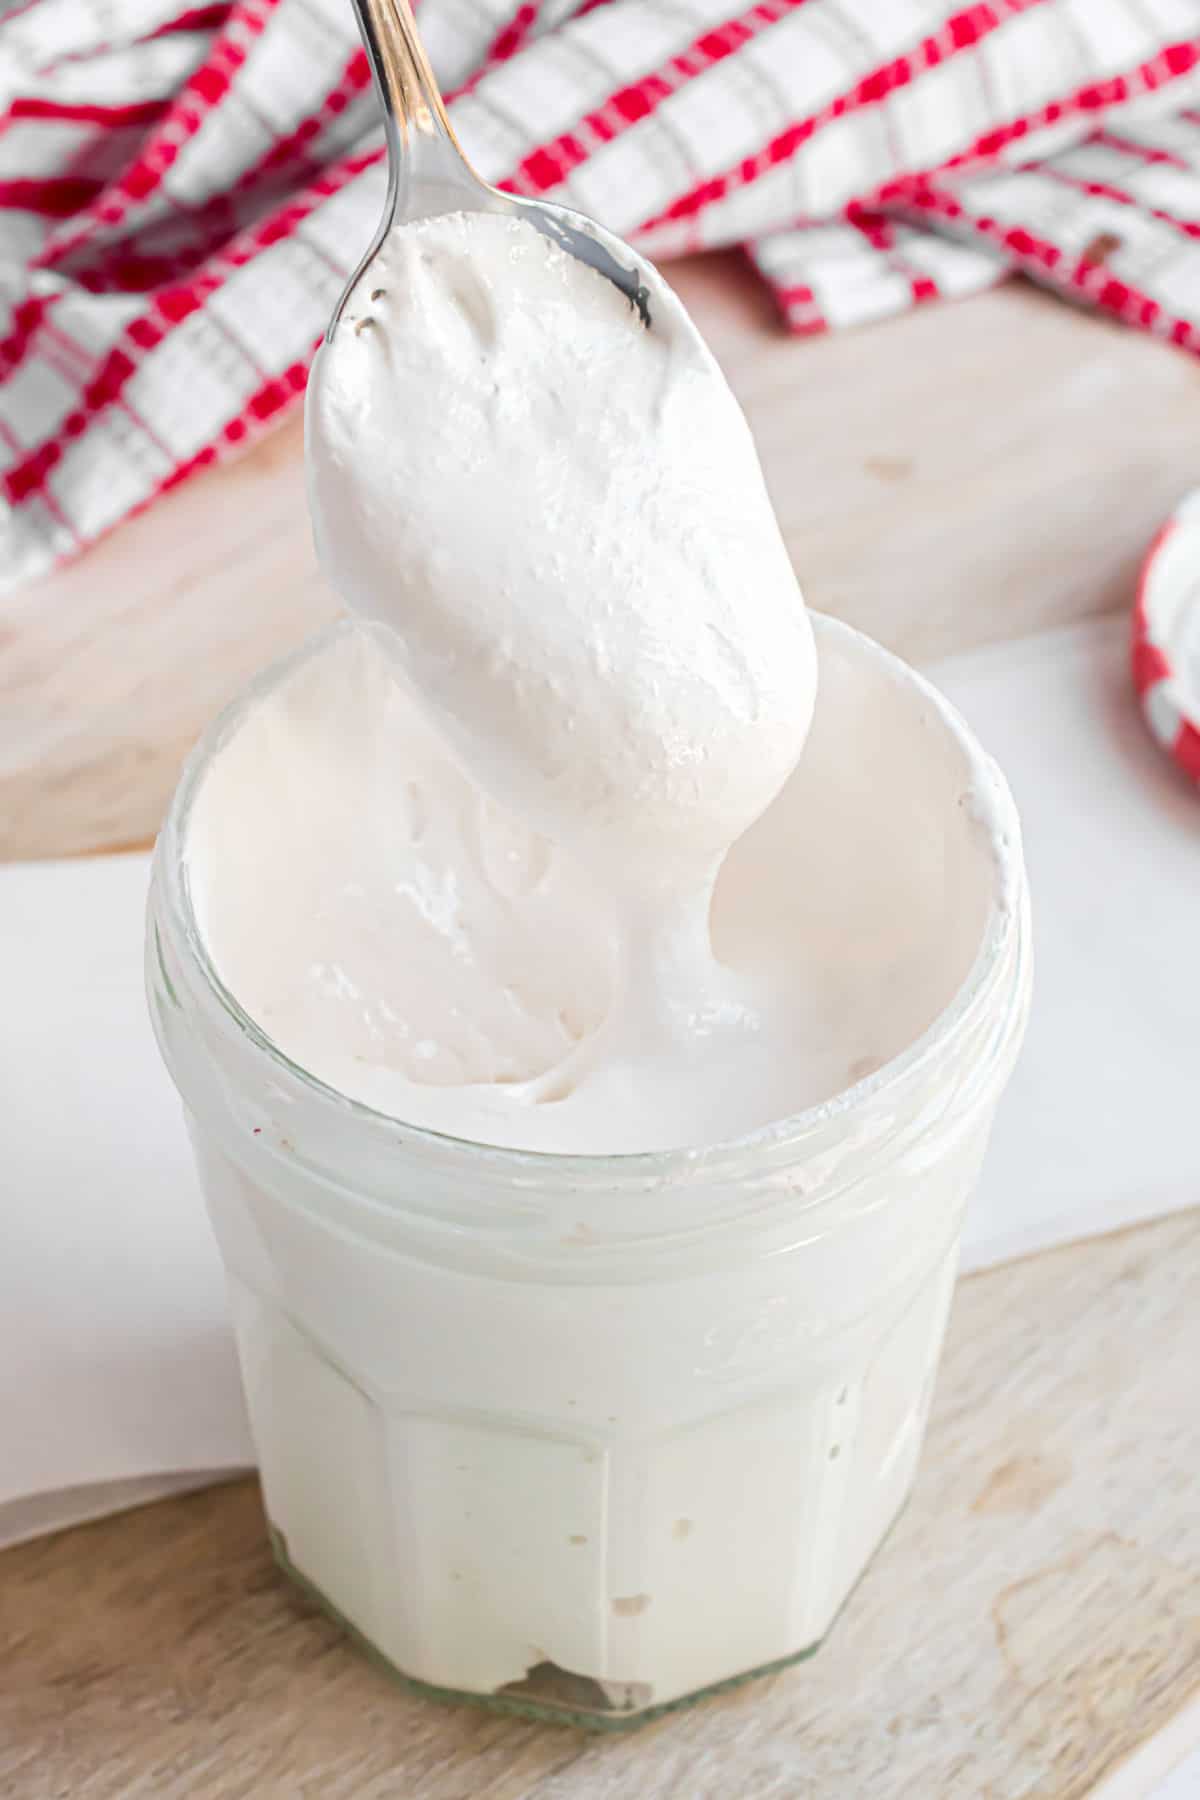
x=119, y=1377
x=185, y=187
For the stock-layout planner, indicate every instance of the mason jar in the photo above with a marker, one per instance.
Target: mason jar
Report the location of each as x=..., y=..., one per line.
x=585, y=1436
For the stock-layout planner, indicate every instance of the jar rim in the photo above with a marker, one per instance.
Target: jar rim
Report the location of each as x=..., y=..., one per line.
x=765, y=1144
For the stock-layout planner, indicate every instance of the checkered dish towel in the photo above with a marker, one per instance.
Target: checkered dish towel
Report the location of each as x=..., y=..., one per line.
x=185, y=187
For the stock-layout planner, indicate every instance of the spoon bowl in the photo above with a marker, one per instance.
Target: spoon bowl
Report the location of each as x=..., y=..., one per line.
x=429, y=173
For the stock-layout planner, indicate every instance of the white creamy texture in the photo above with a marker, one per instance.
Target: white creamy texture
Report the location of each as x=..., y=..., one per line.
x=401, y=936
x=531, y=860
x=562, y=516
x=668, y=1466
x=482, y=840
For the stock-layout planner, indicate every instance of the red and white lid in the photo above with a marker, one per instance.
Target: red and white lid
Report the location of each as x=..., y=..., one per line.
x=1166, y=636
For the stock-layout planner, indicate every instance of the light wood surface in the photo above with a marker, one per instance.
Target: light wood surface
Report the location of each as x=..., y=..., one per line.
x=1034, y=1614
x=964, y=474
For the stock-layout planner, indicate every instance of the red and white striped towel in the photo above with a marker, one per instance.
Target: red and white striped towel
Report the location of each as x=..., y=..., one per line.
x=184, y=188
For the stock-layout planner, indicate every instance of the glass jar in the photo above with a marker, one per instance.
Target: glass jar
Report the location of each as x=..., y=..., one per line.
x=581, y=1436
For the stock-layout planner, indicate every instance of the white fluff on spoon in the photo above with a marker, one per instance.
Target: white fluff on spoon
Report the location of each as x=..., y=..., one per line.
x=529, y=858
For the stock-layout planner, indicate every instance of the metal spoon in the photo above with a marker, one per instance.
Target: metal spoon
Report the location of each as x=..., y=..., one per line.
x=428, y=174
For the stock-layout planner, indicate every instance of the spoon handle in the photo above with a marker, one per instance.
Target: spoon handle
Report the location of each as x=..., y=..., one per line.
x=412, y=102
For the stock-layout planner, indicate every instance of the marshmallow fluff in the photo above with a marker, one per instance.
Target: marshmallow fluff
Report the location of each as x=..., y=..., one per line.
x=505, y=837
x=558, y=843
x=560, y=515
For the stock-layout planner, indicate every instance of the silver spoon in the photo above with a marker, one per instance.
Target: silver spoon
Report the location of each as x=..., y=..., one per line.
x=428, y=173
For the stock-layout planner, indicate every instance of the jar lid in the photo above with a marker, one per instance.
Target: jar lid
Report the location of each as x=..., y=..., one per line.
x=1166, y=637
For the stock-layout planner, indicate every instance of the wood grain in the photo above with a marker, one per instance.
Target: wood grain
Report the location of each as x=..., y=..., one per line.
x=965, y=473
x=1034, y=1615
